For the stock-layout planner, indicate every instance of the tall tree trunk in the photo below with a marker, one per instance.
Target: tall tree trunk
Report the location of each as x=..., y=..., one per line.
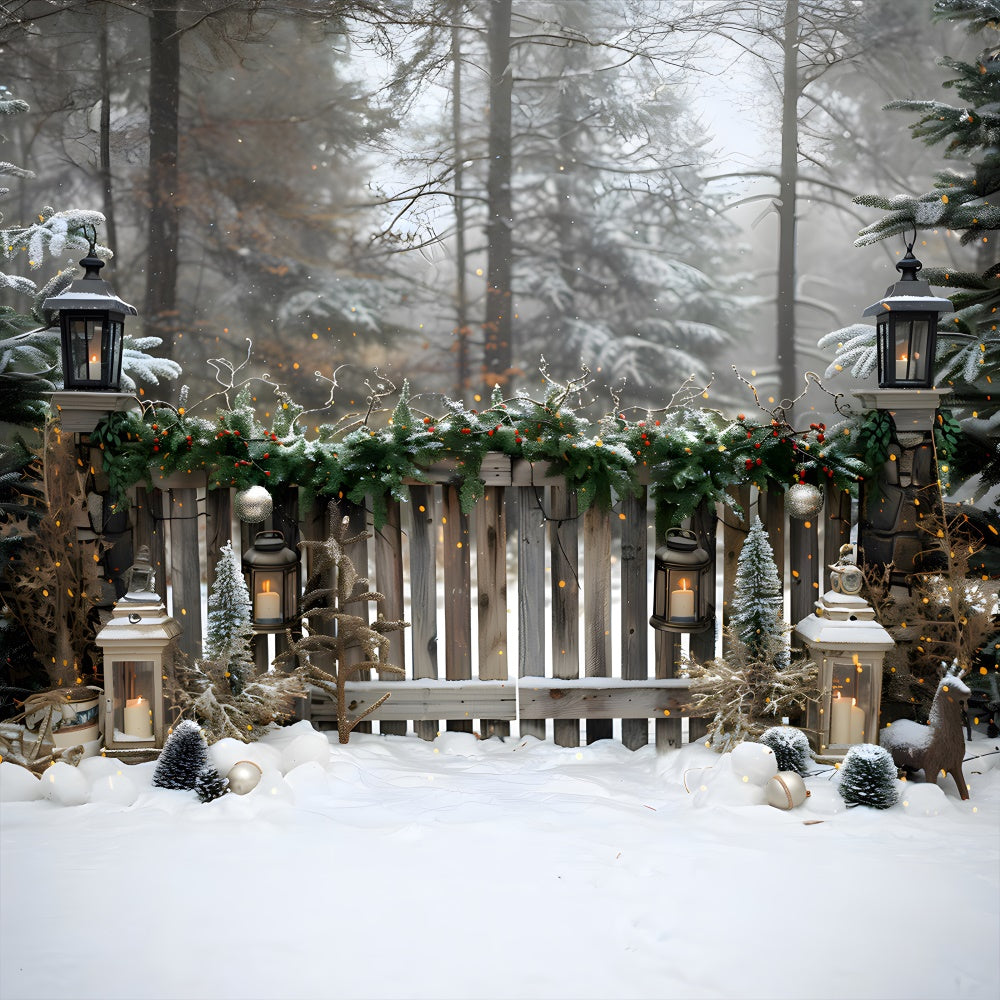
x=788, y=383
x=160, y=316
x=498, y=352
x=462, y=373
x=105, y=135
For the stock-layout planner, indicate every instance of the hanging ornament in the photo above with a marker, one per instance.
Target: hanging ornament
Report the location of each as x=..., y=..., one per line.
x=253, y=505
x=244, y=776
x=803, y=500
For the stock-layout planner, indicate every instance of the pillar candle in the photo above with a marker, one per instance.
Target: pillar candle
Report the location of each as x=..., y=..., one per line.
x=840, y=720
x=901, y=364
x=267, y=606
x=682, y=602
x=138, y=721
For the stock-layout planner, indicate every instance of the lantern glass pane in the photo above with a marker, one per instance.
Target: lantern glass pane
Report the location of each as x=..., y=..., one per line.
x=267, y=597
x=848, y=715
x=133, y=689
x=911, y=348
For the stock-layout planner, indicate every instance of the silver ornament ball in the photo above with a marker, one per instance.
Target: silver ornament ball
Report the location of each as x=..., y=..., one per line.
x=786, y=790
x=253, y=505
x=244, y=776
x=803, y=500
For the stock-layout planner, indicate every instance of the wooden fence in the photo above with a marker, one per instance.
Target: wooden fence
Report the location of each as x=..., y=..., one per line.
x=545, y=612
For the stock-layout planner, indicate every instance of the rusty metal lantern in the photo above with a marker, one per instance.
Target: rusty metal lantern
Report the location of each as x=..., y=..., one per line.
x=682, y=584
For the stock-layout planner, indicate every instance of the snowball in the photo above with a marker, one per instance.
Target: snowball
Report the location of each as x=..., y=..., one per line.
x=723, y=785
x=64, y=784
x=311, y=746
x=118, y=788
x=18, y=784
x=223, y=754
x=923, y=799
x=273, y=786
x=93, y=768
x=754, y=762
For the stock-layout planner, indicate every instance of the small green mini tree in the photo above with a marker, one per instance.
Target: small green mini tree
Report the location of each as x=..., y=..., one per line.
x=183, y=757
x=868, y=777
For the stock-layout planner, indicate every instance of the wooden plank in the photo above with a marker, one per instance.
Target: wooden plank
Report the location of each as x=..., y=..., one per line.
x=773, y=517
x=423, y=593
x=545, y=698
x=530, y=595
x=491, y=581
x=218, y=528
x=458, y=596
x=388, y=545
x=803, y=566
x=357, y=552
x=147, y=529
x=185, y=569
x=704, y=522
x=597, y=608
x=565, y=584
x=734, y=533
x=668, y=721
x=836, y=529
x=634, y=607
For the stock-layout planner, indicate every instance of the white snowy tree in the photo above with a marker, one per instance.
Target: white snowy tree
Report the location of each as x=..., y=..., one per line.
x=230, y=632
x=757, y=597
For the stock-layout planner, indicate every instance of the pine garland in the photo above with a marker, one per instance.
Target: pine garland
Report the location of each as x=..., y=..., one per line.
x=685, y=453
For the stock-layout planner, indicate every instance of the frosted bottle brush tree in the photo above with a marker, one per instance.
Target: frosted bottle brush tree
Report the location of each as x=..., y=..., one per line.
x=230, y=628
x=753, y=684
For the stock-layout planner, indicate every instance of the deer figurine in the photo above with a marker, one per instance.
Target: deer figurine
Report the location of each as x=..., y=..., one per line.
x=940, y=745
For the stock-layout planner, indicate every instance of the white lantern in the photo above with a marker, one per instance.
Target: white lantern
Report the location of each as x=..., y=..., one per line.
x=134, y=643
x=849, y=648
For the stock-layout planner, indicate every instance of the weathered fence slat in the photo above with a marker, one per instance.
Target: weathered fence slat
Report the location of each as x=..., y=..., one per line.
x=804, y=569
x=565, y=587
x=357, y=552
x=704, y=522
x=668, y=721
x=185, y=568
x=634, y=608
x=491, y=583
x=530, y=594
x=597, y=608
x=388, y=544
x=423, y=594
x=457, y=598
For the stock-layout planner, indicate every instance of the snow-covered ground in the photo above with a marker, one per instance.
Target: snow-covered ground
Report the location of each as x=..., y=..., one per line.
x=393, y=867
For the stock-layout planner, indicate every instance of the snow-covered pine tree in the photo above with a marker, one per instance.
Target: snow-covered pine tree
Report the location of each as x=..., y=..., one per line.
x=210, y=784
x=757, y=598
x=868, y=777
x=183, y=757
x=791, y=748
x=230, y=629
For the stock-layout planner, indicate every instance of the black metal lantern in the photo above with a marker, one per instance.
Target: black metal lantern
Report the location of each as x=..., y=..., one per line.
x=272, y=573
x=906, y=321
x=682, y=584
x=92, y=323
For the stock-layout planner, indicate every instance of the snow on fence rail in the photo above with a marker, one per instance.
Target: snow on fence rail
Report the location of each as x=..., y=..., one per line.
x=565, y=671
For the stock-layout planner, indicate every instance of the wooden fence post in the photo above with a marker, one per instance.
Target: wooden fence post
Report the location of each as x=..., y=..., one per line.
x=389, y=583
x=458, y=597
x=597, y=607
x=565, y=584
x=491, y=580
x=635, y=608
x=185, y=568
x=530, y=592
x=423, y=594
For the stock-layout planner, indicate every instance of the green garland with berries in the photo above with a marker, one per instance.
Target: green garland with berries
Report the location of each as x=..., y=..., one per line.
x=686, y=454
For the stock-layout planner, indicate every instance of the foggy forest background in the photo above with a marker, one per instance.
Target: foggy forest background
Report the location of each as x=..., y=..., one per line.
x=449, y=191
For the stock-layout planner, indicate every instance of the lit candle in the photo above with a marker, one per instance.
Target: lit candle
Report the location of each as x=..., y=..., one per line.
x=857, y=726
x=94, y=368
x=682, y=602
x=840, y=720
x=267, y=604
x=901, y=366
x=138, y=719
